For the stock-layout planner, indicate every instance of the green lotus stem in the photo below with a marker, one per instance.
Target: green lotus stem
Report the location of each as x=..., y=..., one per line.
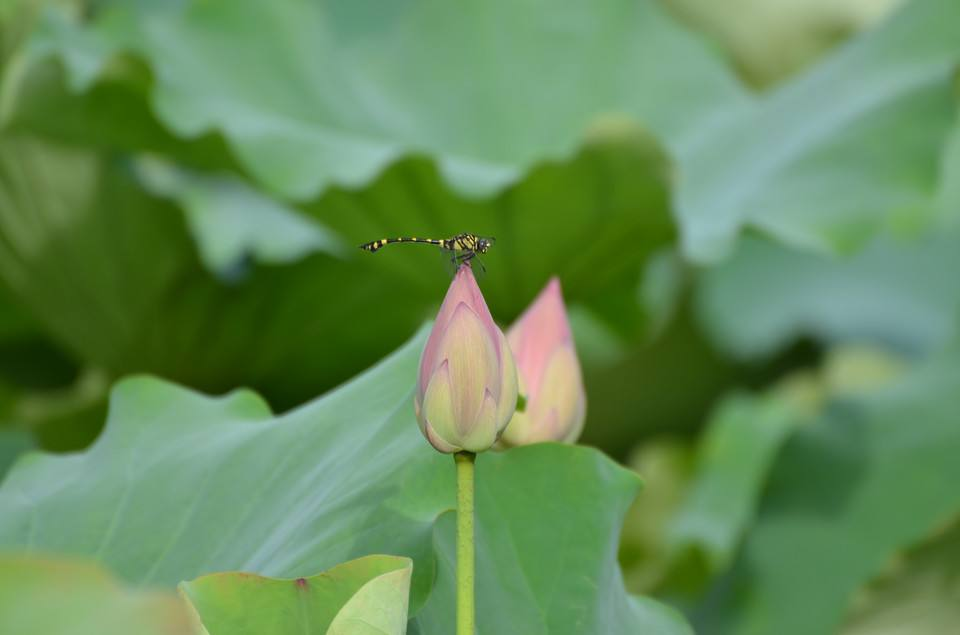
x=465, y=546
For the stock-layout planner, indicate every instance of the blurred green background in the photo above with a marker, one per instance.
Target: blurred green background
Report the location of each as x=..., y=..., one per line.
x=752, y=207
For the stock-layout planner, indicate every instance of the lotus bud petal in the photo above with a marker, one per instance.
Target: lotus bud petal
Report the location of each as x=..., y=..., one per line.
x=467, y=384
x=550, y=376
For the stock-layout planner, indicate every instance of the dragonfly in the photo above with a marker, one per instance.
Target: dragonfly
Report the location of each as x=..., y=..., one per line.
x=463, y=248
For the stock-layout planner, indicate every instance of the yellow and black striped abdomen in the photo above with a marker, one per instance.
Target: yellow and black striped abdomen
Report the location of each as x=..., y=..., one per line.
x=376, y=245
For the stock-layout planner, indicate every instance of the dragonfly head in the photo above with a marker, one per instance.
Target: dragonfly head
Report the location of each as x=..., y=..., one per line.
x=483, y=244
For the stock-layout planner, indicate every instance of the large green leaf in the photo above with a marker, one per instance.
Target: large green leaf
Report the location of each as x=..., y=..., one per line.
x=897, y=294
x=180, y=485
x=73, y=597
x=367, y=596
x=539, y=565
x=540, y=594
x=850, y=148
x=873, y=476
x=314, y=94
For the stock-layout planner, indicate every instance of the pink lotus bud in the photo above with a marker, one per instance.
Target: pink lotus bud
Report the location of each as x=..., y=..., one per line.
x=550, y=377
x=467, y=386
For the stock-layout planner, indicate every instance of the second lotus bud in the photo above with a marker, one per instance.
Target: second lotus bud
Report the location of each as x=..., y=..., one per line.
x=550, y=376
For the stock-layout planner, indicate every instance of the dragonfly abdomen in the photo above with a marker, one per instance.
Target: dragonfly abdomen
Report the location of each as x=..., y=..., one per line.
x=376, y=245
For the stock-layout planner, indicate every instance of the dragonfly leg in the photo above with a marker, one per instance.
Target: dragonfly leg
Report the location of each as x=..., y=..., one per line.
x=469, y=257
